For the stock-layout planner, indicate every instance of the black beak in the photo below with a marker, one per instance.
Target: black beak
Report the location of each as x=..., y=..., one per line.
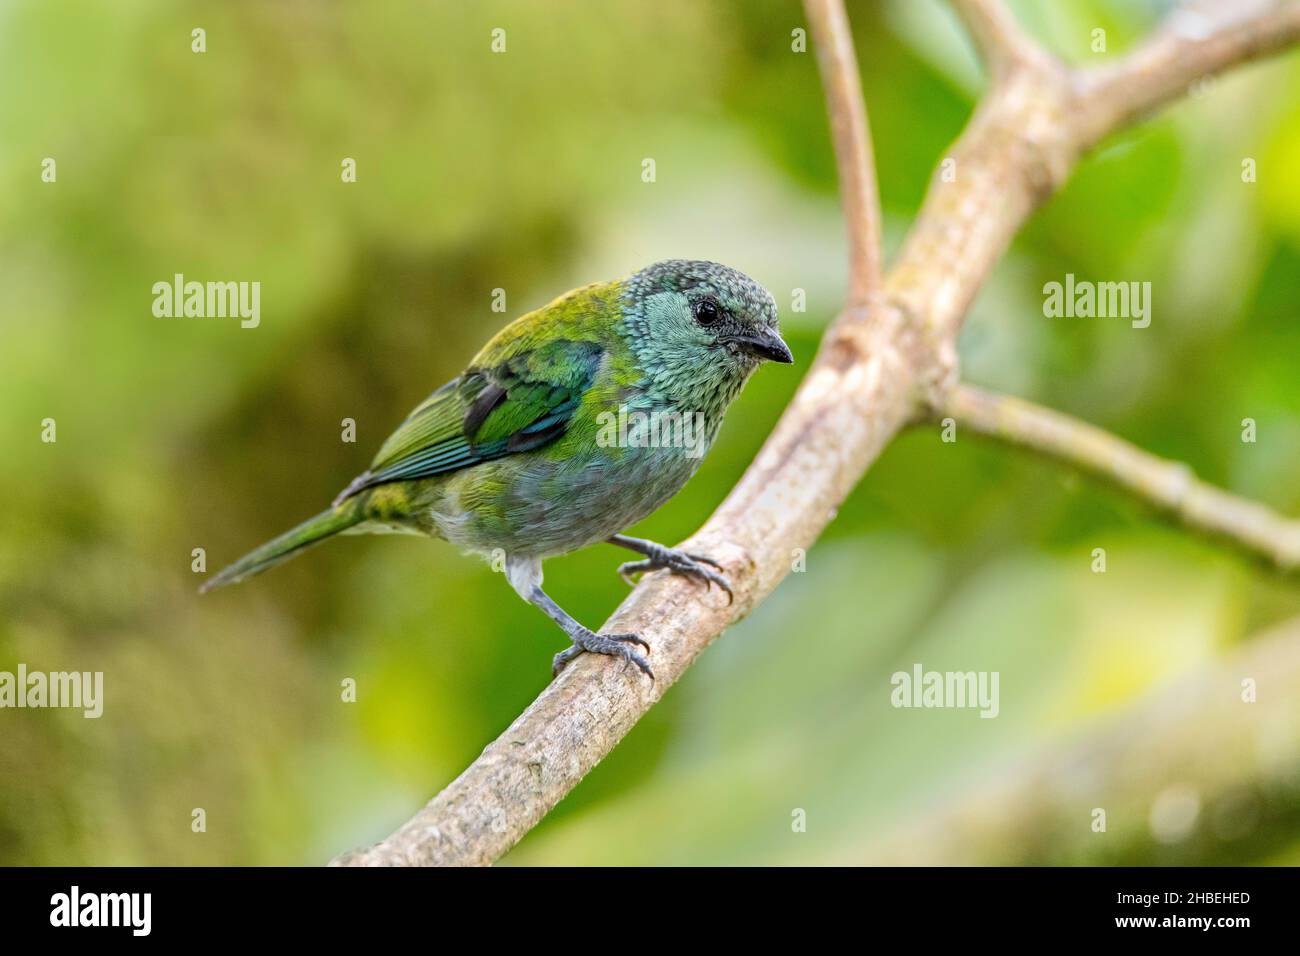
x=765, y=344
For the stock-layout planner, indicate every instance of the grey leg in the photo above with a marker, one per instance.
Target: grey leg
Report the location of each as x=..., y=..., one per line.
x=584, y=639
x=680, y=562
x=525, y=576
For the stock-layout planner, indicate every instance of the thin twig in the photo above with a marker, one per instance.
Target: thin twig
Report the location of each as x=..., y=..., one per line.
x=833, y=41
x=997, y=36
x=1168, y=485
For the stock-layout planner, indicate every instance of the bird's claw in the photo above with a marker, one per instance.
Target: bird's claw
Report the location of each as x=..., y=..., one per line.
x=614, y=645
x=679, y=562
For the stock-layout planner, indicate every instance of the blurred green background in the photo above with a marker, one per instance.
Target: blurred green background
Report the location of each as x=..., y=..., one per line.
x=522, y=171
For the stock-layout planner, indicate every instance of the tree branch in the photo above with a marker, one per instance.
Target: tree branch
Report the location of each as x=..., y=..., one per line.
x=851, y=132
x=997, y=36
x=1196, y=40
x=1168, y=485
x=878, y=368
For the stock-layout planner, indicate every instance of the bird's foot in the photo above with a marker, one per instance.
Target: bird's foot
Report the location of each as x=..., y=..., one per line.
x=679, y=562
x=614, y=645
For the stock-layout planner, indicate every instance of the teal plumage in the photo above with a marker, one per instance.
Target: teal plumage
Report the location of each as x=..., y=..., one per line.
x=528, y=455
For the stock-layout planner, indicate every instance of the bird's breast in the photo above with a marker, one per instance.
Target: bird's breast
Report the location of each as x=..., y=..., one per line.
x=576, y=492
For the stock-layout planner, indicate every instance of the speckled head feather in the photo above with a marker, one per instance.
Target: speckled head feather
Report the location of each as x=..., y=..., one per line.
x=689, y=276
x=698, y=329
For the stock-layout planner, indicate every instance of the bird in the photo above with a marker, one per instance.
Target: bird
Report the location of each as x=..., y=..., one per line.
x=574, y=422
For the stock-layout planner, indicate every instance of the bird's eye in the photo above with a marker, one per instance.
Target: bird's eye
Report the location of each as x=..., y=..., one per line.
x=706, y=312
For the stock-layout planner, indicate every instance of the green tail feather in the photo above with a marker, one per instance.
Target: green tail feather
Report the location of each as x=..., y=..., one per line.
x=288, y=544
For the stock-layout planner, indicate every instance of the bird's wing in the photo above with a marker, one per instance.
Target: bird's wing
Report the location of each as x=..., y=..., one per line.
x=520, y=404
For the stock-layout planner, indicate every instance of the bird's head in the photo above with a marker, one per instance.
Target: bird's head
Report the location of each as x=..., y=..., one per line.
x=700, y=327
